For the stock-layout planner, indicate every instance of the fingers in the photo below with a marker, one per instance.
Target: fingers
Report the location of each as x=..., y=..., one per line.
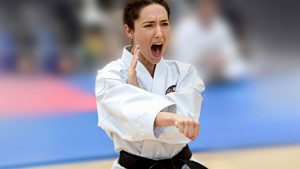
x=196, y=130
x=135, y=57
x=190, y=128
x=180, y=126
x=132, y=78
x=186, y=128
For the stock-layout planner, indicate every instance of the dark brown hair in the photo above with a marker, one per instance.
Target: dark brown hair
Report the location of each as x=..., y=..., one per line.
x=133, y=8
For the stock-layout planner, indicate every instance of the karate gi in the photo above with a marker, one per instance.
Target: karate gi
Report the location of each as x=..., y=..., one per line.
x=127, y=113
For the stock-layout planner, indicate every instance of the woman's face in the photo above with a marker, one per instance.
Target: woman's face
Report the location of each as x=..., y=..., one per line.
x=151, y=32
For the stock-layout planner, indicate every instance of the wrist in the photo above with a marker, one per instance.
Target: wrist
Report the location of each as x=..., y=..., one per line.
x=173, y=119
x=170, y=119
x=165, y=119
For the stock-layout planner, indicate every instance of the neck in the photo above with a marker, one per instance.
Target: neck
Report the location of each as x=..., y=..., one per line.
x=149, y=66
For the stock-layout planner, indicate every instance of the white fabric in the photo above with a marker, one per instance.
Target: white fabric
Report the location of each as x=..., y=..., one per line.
x=127, y=113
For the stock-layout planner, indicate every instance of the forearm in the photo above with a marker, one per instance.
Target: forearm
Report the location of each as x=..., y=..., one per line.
x=164, y=119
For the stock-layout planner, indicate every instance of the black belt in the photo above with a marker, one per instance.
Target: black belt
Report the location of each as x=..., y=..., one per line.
x=130, y=161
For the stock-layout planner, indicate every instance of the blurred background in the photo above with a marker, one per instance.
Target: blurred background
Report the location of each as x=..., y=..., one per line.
x=247, y=53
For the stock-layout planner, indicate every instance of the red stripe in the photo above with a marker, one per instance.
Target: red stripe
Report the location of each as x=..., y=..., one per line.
x=22, y=96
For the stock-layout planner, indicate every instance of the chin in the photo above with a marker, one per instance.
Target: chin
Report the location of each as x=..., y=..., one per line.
x=156, y=60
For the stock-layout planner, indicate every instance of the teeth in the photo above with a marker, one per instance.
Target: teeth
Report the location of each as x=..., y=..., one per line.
x=157, y=43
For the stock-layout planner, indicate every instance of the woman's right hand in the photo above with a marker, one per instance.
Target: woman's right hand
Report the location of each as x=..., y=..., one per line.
x=132, y=78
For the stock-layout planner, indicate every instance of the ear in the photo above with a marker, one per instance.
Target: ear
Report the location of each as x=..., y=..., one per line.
x=128, y=31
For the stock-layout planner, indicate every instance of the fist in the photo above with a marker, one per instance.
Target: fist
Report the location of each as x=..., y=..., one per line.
x=189, y=127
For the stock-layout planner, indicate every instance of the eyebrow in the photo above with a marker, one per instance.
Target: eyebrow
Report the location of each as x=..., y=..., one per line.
x=165, y=20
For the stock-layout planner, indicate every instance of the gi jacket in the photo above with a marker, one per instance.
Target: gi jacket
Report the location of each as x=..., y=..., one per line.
x=127, y=113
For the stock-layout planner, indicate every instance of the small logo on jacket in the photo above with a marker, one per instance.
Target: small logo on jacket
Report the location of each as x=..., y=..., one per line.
x=171, y=89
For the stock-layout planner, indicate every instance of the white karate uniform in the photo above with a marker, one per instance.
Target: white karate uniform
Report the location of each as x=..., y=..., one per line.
x=127, y=113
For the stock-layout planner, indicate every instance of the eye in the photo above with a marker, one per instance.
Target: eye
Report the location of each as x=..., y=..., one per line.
x=147, y=26
x=165, y=24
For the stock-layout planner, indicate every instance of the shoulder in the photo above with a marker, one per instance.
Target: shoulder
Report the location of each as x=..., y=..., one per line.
x=187, y=74
x=113, y=70
x=182, y=68
x=111, y=75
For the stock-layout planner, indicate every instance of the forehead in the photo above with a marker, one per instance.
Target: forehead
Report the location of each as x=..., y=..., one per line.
x=153, y=12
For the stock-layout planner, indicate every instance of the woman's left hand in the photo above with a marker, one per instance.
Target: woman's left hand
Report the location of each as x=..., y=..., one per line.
x=187, y=126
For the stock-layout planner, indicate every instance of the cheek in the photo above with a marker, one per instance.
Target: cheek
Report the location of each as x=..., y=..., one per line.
x=140, y=38
x=167, y=34
x=143, y=39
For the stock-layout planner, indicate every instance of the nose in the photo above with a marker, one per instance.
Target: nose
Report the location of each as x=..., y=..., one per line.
x=158, y=32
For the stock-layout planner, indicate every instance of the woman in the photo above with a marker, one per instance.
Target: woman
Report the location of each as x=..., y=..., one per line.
x=149, y=106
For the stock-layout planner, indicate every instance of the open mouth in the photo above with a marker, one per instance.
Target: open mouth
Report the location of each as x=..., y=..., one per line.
x=157, y=49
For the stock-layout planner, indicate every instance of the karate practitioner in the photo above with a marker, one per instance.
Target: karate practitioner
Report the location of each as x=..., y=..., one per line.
x=149, y=106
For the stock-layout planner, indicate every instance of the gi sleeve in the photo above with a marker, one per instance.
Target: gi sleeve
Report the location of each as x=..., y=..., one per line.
x=188, y=100
x=126, y=110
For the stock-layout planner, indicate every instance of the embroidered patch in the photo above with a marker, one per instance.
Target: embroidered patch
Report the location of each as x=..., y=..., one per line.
x=171, y=89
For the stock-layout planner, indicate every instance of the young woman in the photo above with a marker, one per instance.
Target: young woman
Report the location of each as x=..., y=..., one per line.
x=149, y=106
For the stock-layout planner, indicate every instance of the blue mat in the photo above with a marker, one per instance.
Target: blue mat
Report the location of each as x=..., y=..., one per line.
x=238, y=115
x=46, y=140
